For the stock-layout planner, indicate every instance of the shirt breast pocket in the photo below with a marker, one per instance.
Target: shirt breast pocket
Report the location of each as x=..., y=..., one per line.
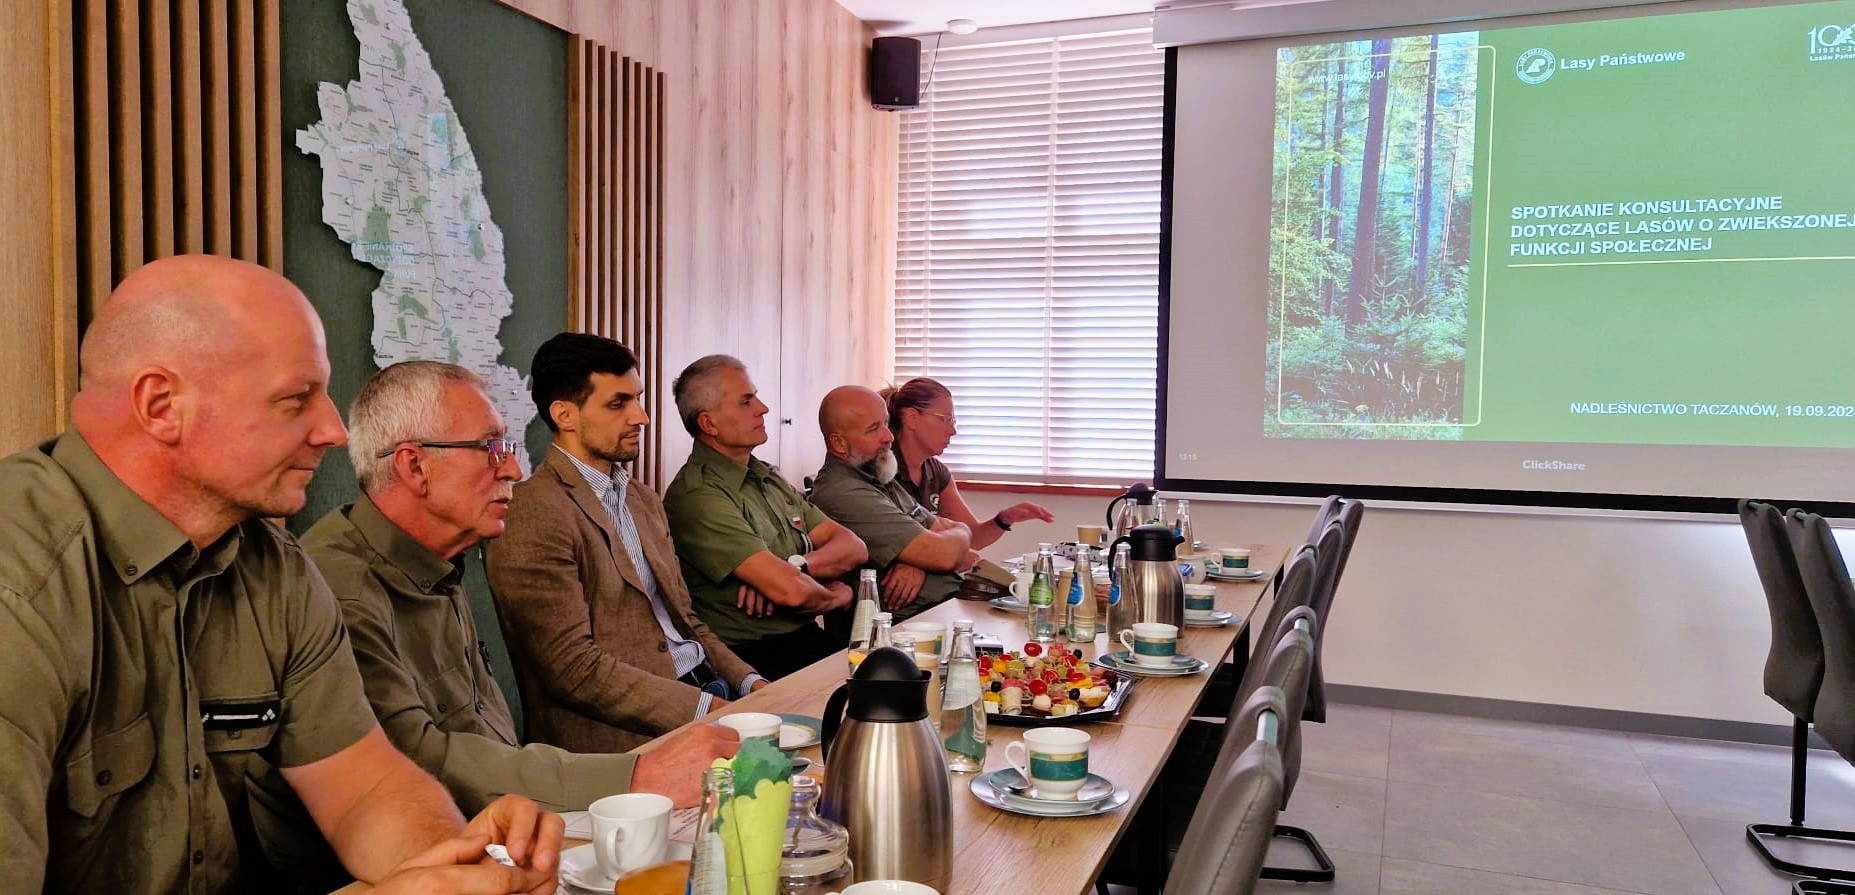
x=116, y=761
x=448, y=693
x=242, y=724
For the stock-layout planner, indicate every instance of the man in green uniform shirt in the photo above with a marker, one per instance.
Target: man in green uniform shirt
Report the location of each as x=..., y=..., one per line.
x=761, y=562
x=181, y=710
x=920, y=554
x=420, y=435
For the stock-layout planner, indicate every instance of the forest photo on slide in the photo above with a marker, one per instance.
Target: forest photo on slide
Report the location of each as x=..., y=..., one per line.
x=1369, y=310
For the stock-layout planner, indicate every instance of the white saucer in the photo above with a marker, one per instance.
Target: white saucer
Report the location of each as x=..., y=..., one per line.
x=983, y=788
x=1095, y=790
x=1008, y=604
x=579, y=867
x=1218, y=574
x=1181, y=665
x=1216, y=618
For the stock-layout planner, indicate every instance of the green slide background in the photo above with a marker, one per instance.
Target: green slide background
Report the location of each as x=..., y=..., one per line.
x=1746, y=114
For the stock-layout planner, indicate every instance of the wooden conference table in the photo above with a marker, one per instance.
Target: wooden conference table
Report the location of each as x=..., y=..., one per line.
x=996, y=850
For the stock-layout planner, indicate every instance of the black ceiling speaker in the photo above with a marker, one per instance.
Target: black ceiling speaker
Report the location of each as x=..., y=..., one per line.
x=895, y=73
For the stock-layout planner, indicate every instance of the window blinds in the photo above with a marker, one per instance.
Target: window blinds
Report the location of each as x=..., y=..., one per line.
x=1027, y=268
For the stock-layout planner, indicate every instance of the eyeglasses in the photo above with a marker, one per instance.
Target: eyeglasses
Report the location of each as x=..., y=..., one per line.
x=947, y=418
x=500, y=448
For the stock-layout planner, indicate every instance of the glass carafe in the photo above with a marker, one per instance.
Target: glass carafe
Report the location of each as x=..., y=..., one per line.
x=816, y=858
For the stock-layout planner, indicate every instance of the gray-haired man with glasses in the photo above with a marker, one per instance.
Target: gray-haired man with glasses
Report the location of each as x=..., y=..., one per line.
x=436, y=467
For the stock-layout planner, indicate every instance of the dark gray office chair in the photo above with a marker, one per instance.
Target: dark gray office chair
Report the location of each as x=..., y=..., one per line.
x=1333, y=547
x=1227, y=688
x=1229, y=836
x=1810, y=668
x=1286, y=670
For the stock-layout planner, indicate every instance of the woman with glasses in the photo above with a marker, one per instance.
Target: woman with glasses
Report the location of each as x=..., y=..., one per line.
x=921, y=416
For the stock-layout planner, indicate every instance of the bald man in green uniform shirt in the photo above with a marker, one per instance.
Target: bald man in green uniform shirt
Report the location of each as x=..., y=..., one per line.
x=181, y=710
x=761, y=562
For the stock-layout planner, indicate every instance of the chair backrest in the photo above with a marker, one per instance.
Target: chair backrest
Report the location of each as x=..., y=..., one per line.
x=1297, y=589
x=1329, y=511
x=1230, y=831
x=1794, y=662
x=1335, y=544
x=1286, y=671
x=1832, y=596
x=1257, y=673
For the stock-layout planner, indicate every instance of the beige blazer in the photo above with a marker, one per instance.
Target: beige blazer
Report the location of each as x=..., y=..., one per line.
x=591, y=661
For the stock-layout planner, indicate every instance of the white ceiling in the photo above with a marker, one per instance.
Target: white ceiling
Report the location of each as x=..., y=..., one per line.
x=929, y=16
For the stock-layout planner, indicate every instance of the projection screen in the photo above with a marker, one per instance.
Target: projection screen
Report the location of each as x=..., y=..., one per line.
x=1597, y=259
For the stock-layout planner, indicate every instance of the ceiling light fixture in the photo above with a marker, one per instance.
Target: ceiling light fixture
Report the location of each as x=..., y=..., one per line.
x=962, y=26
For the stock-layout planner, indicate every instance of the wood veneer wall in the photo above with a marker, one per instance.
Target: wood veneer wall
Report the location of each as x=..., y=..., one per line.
x=615, y=136
x=38, y=329
x=177, y=135
x=778, y=202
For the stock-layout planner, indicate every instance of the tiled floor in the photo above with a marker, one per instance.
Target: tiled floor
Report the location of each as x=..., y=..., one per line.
x=1409, y=803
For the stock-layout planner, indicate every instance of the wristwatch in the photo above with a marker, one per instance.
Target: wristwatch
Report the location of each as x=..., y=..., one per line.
x=999, y=520
x=798, y=562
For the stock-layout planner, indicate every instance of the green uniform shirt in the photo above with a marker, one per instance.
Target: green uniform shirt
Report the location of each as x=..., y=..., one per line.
x=428, y=676
x=887, y=518
x=153, y=690
x=721, y=513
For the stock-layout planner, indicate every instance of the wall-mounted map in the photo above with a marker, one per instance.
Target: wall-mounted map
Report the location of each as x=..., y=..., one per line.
x=401, y=187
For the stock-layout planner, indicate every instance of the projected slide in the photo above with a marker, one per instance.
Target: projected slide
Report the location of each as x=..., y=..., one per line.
x=1638, y=231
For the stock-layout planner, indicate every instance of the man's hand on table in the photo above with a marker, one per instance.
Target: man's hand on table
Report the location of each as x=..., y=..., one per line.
x=459, y=865
x=675, y=768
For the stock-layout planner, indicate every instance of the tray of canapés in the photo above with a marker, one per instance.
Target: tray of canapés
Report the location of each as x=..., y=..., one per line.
x=1039, y=686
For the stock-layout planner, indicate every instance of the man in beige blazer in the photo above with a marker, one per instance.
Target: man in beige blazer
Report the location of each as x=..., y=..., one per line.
x=607, y=651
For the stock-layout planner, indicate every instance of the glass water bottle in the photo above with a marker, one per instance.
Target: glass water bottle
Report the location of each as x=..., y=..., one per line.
x=962, y=714
x=1040, y=621
x=869, y=600
x=708, y=864
x=1079, y=610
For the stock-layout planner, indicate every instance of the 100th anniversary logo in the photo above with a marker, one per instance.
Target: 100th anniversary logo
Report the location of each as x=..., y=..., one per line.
x=1831, y=43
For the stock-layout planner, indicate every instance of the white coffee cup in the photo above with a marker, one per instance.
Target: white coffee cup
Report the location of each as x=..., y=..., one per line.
x=1193, y=567
x=1151, y=643
x=630, y=831
x=752, y=724
x=930, y=637
x=1021, y=587
x=1200, y=600
x=1235, y=560
x=1054, y=759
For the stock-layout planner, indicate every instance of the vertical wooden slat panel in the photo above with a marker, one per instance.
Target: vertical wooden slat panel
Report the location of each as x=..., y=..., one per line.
x=158, y=127
x=216, y=51
x=66, y=139
x=93, y=145
x=270, y=135
x=576, y=189
x=245, y=183
x=659, y=126
x=602, y=251
x=627, y=294
x=614, y=261
x=189, y=126
x=616, y=168
x=634, y=210
x=126, y=246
